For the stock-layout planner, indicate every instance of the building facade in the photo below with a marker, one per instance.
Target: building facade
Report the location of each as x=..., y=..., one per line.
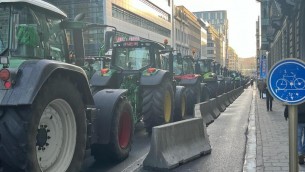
x=204, y=38
x=257, y=34
x=188, y=32
x=247, y=66
x=214, y=44
x=132, y=18
x=219, y=20
x=282, y=29
x=232, y=59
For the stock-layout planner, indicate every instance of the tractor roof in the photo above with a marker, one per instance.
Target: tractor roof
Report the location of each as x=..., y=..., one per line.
x=38, y=3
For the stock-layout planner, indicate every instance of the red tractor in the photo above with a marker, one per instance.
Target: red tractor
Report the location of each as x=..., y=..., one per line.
x=195, y=90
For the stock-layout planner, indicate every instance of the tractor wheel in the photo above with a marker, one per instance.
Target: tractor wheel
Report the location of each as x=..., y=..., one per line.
x=157, y=104
x=180, y=106
x=213, y=87
x=205, y=95
x=50, y=134
x=193, y=96
x=120, y=137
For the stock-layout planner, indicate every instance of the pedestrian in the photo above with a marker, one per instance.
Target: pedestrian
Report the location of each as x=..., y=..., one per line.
x=260, y=88
x=301, y=130
x=269, y=98
x=251, y=83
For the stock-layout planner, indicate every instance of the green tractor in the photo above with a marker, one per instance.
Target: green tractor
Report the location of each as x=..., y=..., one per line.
x=206, y=68
x=195, y=90
x=228, y=80
x=48, y=115
x=218, y=69
x=138, y=66
x=237, y=79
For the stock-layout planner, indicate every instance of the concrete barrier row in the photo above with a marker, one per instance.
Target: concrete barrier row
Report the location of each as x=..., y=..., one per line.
x=179, y=142
x=211, y=109
x=207, y=116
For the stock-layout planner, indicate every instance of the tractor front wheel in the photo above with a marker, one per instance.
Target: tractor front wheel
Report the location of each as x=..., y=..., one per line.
x=120, y=137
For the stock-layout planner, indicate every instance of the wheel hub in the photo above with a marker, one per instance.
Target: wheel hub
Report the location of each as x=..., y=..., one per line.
x=42, y=137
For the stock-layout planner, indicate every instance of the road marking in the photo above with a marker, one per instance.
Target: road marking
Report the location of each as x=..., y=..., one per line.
x=250, y=156
x=136, y=165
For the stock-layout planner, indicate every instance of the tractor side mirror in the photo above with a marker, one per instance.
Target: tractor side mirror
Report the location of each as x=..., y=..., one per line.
x=79, y=17
x=179, y=58
x=109, y=40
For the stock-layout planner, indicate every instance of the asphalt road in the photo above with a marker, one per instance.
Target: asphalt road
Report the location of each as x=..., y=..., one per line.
x=140, y=147
x=227, y=137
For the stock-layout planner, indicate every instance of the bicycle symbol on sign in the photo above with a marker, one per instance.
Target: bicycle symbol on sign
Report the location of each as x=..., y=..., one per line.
x=292, y=81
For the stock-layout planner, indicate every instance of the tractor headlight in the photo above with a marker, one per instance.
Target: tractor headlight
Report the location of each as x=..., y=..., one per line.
x=4, y=60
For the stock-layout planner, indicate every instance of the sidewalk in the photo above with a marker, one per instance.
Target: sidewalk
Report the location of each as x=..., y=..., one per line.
x=272, y=150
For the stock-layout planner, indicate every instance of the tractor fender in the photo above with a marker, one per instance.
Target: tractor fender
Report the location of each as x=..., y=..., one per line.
x=191, y=81
x=31, y=76
x=154, y=79
x=98, y=80
x=105, y=102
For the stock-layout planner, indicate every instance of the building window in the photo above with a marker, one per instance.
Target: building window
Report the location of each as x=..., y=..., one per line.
x=210, y=44
x=155, y=10
x=210, y=51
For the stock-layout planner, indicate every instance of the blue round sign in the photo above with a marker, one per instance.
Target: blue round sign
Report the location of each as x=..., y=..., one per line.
x=286, y=81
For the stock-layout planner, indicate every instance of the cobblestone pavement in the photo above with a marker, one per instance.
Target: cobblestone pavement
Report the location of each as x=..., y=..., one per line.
x=272, y=150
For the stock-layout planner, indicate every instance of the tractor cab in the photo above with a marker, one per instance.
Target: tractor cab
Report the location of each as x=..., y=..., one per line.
x=135, y=55
x=206, y=67
x=183, y=67
x=236, y=77
x=31, y=32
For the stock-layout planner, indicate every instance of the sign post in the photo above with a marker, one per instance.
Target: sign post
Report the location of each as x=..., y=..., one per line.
x=286, y=82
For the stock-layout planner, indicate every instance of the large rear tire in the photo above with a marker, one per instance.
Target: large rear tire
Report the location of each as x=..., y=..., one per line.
x=157, y=104
x=212, y=86
x=193, y=96
x=205, y=95
x=49, y=135
x=120, y=137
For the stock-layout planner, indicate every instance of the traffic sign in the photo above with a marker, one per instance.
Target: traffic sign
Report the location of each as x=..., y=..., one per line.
x=286, y=81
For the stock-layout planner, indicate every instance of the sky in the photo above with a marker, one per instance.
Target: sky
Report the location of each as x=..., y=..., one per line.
x=242, y=17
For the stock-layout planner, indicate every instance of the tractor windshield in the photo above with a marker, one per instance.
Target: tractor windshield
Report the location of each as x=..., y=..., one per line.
x=132, y=58
x=205, y=66
x=178, y=69
x=4, y=27
x=188, y=66
x=28, y=32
